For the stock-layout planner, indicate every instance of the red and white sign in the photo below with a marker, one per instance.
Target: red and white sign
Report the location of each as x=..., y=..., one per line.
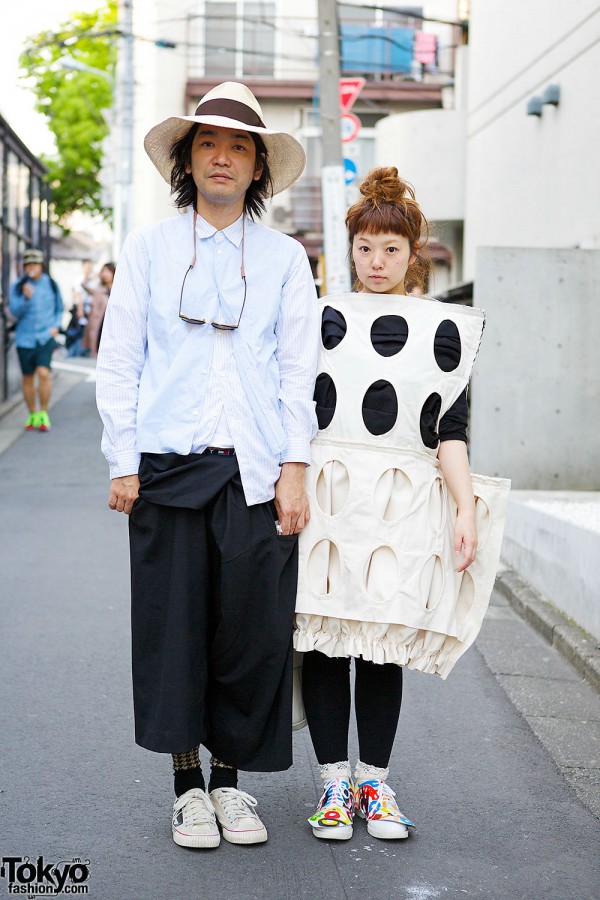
x=350, y=88
x=350, y=127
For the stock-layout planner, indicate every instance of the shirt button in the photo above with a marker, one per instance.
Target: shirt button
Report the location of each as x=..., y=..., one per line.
x=194, y=412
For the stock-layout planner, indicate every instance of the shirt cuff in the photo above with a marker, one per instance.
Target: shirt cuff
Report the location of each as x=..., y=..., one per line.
x=125, y=463
x=296, y=451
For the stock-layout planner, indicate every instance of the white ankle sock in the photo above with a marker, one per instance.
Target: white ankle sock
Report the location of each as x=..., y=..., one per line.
x=364, y=772
x=335, y=770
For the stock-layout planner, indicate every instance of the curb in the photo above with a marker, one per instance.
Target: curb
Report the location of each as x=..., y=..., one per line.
x=576, y=645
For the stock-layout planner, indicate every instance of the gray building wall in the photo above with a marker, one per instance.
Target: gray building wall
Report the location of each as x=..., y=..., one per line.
x=535, y=396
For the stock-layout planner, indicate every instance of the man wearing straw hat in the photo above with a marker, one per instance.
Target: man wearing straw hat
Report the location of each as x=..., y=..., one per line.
x=204, y=383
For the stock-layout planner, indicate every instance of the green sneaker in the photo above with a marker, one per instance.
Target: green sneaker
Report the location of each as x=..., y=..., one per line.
x=43, y=422
x=32, y=421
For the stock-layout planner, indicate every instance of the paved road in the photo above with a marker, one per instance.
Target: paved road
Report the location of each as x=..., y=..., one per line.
x=495, y=816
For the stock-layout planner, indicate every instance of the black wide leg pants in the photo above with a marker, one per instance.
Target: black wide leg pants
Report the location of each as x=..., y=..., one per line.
x=213, y=595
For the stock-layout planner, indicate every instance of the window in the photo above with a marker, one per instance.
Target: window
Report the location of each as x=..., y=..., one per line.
x=239, y=39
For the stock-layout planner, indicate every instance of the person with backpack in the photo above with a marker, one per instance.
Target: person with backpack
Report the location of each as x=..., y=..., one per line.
x=36, y=303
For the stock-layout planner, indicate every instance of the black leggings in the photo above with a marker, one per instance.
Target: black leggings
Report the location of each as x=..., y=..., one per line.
x=377, y=701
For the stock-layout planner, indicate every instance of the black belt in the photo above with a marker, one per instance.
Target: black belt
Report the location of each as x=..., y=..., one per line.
x=219, y=451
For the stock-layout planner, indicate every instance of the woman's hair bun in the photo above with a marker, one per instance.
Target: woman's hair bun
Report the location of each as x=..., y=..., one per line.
x=384, y=185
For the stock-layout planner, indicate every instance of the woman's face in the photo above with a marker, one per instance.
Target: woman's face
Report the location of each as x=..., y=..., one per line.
x=381, y=261
x=106, y=275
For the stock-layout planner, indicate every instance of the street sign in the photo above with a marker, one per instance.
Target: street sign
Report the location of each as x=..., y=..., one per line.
x=350, y=88
x=350, y=127
x=350, y=170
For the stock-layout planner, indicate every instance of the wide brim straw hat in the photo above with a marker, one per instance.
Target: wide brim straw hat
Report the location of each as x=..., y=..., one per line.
x=229, y=105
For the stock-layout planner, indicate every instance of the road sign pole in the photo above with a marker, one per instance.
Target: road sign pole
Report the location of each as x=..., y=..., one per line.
x=332, y=173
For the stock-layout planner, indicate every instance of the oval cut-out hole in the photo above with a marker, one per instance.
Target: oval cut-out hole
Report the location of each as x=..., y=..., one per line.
x=430, y=414
x=447, y=346
x=325, y=397
x=466, y=597
x=431, y=583
x=333, y=327
x=393, y=495
x=332, y=487
x=380, y=407
x=324, y=568
x=381, y=574
x=437, y=505
x=482, y=520
x=389, y=334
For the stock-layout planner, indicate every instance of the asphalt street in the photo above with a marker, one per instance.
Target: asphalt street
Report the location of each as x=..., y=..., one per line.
x=498, y=766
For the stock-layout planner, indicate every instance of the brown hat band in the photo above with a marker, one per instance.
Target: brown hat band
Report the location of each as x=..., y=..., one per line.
x=232, y=109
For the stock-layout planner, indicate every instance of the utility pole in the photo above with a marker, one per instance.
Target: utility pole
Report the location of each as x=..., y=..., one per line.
x=333, y=182
x=124, y=97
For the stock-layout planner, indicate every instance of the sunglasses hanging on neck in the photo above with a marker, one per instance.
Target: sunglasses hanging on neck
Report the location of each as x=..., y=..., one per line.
x=219, y=325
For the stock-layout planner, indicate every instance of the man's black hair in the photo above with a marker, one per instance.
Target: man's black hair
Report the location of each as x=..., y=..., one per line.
x=185, y=191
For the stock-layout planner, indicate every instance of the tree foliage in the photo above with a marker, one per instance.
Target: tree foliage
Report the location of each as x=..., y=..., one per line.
x=75, y=104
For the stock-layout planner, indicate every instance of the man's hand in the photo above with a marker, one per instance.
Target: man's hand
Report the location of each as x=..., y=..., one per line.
x=123, y=493
x=291, y=501
x=28, y=290
x=53, y=332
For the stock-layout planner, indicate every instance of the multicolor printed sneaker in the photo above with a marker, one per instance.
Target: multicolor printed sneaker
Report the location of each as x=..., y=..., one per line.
x=32, y=421
x=43, y=421
x=333, y=818
x=375, y=802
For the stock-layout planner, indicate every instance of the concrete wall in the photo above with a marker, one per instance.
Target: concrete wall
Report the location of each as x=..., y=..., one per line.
x=532, y=182
x=553, y=542
x=535, y=401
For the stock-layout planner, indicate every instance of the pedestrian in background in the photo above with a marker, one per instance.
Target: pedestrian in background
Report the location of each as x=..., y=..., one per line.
x=97, y=309
x=205, y=378
x=82, y=298
x=36, y=303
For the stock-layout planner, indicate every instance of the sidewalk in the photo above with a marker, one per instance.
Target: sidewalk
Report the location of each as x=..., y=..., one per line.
x=484, y=779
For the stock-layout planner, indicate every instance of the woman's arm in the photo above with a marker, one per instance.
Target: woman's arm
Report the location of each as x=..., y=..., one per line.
x=454, y=464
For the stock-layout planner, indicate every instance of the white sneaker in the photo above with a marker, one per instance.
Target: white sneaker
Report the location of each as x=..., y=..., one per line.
x=194, y=823
x=375, y=802
x=237, y=817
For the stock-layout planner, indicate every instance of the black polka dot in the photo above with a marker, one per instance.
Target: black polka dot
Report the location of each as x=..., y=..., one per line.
x=333, y=327
x=429, y=421
x=380, y=407
x=325, y=397
x=389, y=334
x=447, y=346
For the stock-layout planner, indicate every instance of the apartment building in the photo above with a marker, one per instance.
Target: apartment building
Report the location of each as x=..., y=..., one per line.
x=407, y=62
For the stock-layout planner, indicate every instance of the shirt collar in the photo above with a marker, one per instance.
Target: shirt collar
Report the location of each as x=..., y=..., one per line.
x=233, y=232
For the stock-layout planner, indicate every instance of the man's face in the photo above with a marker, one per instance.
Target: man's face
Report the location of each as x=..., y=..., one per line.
x=33, y=270
x=223, y=165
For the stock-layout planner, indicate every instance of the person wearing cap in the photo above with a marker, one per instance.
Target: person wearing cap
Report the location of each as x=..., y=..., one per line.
x=36, y=303
x=205, y=380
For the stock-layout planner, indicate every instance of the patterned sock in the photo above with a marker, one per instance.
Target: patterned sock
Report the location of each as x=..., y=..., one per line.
x=364, y=772
x=221, y=775
x=335, y=770
x=187, y=771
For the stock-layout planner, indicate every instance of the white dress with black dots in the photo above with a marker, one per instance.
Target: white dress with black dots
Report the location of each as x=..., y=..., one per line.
x=376, y=563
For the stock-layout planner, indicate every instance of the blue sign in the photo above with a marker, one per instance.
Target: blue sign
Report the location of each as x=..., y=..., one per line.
x=350, y=170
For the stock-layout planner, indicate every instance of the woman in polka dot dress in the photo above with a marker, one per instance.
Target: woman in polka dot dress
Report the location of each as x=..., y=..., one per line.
x=393, y=511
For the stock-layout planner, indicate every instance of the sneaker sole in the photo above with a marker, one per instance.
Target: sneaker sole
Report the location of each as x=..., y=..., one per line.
x=245, y=837
x=387, y=831
x=199, y=841
x=334, y=833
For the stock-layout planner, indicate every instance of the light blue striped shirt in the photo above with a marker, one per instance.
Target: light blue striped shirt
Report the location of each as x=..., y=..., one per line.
x=155, y=392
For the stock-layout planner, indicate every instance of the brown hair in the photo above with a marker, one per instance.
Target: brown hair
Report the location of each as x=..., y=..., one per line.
x=184, y=187
x=388, y=205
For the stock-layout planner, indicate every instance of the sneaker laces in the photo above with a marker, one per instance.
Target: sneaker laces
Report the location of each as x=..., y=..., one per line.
x=197, y=807
x=237, y=803
x=335, y=794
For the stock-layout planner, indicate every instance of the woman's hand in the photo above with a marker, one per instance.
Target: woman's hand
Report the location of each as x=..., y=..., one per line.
x=465, y=538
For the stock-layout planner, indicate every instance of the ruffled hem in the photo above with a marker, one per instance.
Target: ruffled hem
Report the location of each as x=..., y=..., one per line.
x=415, y=648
